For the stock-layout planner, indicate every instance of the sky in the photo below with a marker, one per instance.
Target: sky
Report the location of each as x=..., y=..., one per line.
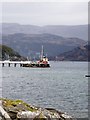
x=45, y=13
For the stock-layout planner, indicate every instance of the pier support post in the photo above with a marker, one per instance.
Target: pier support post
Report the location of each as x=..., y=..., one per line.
x=20, y=64
x=8, y=64
x=2, y=64
x=15, y=65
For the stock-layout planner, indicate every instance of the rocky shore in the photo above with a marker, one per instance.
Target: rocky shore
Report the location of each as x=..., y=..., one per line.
x=17, y=110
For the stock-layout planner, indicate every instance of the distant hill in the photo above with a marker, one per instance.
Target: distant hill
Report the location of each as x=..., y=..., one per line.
x=30, y=44
x=56, y=39
x=8, y=53
x=77, y=54
x=79, y=31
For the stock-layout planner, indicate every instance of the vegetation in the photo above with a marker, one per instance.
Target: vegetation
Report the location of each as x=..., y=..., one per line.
x=8, y=53
x=14, y=103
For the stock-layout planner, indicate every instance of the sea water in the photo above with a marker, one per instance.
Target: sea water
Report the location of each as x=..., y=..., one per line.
x=63, y=86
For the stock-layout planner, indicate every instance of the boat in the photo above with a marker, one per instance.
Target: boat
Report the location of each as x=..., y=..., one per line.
x=87, y=75
x=42, y=63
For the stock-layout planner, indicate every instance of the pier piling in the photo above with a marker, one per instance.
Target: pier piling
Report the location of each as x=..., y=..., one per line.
x=2, y=64
x=8, y=64
x=15, y=65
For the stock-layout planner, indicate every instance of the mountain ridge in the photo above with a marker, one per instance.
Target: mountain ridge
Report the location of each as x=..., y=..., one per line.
x=30, y=44
x=80, y=31
x=56, y=39
x=80, y=53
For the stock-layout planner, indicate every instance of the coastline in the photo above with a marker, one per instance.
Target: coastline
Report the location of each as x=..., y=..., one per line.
x=18, y=109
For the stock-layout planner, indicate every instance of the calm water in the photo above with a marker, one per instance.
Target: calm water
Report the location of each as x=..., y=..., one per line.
x=63, y=86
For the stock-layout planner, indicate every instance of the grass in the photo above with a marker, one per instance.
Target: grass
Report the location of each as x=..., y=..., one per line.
x=13, y=103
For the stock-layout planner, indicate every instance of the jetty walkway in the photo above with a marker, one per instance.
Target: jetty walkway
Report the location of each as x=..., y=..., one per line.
x=13, y=63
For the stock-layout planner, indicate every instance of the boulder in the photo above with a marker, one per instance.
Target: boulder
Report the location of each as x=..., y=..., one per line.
x=17, y=109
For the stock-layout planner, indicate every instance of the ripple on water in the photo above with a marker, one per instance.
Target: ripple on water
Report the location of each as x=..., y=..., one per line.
x=63, y=86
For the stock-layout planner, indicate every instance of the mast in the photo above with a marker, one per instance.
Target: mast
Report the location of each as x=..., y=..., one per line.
x=42, y=52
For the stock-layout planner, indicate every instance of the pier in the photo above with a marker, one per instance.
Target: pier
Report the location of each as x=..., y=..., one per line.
x=13, y=63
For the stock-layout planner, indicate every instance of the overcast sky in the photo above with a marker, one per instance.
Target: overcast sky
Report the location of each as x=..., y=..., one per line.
x=45, y=13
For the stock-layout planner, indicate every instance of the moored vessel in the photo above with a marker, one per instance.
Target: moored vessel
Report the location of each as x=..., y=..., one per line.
x=43, y=62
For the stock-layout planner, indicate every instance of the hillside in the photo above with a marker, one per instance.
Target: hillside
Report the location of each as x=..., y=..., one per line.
x=30, y=44
x=79, y=31
x=56, y=39
x=8, y=53
x=77, y=54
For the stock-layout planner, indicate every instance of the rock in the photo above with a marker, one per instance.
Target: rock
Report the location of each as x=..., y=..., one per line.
x=1, y=116
x=17, y=109
x=28, y=114
x=4, y=114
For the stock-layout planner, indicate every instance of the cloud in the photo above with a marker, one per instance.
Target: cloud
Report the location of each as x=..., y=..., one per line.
x=45, y=13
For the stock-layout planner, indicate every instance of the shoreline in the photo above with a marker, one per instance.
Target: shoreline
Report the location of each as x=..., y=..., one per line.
x=18, y=109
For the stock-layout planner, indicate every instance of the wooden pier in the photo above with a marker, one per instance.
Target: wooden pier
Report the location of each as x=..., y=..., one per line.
x=13, y=63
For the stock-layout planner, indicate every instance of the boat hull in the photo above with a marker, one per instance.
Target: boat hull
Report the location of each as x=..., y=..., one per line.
x=36, y=65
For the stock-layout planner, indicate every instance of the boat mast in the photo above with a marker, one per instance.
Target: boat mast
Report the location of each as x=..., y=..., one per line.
x=42, y=52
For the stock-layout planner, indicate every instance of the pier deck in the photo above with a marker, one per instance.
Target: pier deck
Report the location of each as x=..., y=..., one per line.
x=14, y=63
